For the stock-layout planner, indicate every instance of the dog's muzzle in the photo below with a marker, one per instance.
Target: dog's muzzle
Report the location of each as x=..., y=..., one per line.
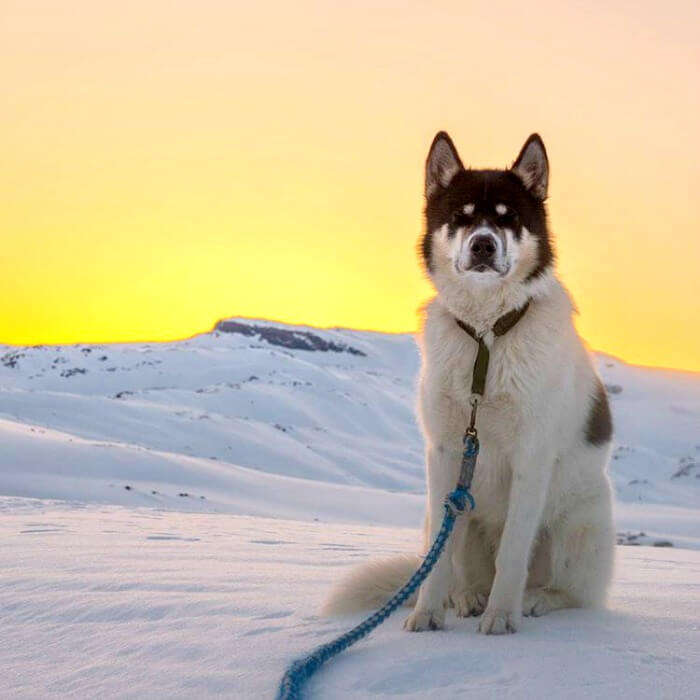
x=482, y=249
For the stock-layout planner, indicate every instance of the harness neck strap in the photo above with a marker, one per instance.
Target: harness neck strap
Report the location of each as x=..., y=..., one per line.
x=501, y=327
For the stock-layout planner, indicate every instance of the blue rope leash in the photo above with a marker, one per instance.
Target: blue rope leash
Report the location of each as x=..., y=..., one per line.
x=455, y=504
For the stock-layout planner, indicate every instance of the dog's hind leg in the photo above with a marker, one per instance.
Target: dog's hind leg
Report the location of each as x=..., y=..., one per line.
x=473, y=566
x=582, y=553
x=582, y=561
x=539, y=597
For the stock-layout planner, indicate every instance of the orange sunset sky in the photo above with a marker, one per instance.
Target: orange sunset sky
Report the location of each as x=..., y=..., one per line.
x=166, y=164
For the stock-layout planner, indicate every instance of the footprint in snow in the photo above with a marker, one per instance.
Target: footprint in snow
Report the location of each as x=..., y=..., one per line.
x=270, y=542
x=42, y=530
x=262, y=630
x=275, y=615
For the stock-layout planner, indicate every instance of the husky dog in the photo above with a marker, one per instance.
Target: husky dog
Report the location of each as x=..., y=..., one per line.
x=541, y=537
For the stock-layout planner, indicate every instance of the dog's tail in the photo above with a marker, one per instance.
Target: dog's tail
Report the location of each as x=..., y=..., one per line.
x=371, y=585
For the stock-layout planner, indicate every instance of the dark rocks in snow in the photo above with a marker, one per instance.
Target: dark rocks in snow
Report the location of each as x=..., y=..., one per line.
x=621, y=451
x=73, y=371
x=11, y=359
x=686, y=465
x=122, y=394
x=127, y=487
x=636, y=539
x=630, y=538
x=613, y=388
x=184, y=494
x=291, y=339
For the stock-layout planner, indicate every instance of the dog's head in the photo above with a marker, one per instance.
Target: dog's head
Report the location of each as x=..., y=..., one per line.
x=486, y=229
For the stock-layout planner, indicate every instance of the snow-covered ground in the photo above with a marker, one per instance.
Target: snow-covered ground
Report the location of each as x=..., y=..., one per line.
x=171, y=516
x=111, y=601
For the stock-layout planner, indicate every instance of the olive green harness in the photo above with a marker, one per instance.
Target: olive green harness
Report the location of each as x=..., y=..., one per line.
x=481, y=363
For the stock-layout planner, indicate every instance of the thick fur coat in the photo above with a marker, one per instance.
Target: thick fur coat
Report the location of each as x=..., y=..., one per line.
x=541, y=537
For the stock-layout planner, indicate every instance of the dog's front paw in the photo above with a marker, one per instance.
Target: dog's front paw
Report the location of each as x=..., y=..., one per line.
x=469, y=603
x=421, y=620
x=495, y=621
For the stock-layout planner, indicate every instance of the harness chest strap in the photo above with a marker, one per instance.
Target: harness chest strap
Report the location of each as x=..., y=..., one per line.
x=470, y=442
x=481, y=363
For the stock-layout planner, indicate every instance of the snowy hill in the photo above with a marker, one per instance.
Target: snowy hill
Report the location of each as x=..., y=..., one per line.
x=173, y=514
x=261, y=418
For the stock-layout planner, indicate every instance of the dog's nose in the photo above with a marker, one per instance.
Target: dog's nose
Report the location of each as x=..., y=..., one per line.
x=483, y=248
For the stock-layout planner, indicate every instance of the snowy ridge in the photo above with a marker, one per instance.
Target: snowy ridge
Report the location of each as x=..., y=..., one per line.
x=322, y=406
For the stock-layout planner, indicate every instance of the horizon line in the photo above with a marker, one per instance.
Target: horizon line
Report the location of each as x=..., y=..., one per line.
x=196, y=334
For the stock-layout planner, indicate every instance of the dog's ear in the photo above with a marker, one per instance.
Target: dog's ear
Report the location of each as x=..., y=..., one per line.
x=532, y=167
x=442, y=165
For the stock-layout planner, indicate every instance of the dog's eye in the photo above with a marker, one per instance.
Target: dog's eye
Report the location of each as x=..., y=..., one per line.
x=507, y=220
x=459, y=219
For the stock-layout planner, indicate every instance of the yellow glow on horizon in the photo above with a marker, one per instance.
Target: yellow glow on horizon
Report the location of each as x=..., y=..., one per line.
x=169, y=164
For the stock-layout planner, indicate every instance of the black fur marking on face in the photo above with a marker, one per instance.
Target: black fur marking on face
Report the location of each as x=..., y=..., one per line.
x=485, y=189
x=459, y=220
x=510, y=220
x=599, y=423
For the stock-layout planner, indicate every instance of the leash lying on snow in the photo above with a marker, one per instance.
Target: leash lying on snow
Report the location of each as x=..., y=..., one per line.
x=456, y=503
